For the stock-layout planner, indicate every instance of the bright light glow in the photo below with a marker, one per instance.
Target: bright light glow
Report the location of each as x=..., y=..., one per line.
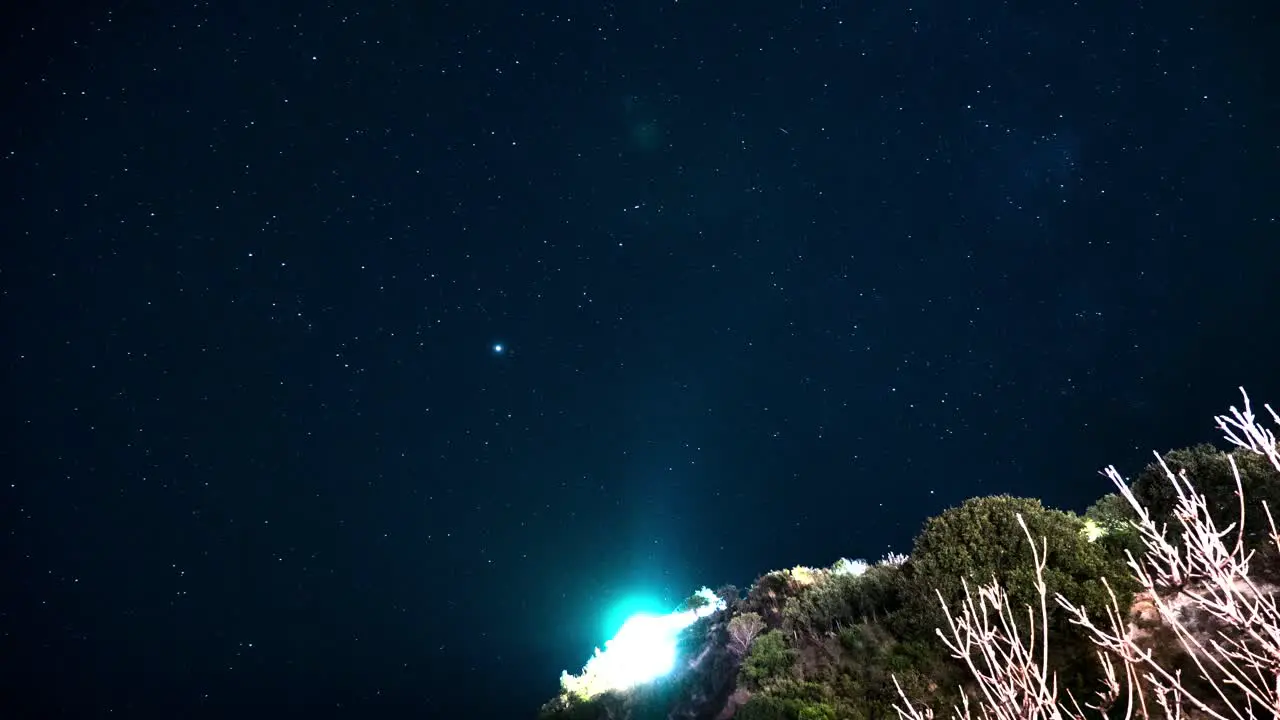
x=644, y=649
x=845, y=566
x=498, y=348
x=1092, y=531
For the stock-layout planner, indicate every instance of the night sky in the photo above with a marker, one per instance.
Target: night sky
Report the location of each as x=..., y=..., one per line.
x=361, y=357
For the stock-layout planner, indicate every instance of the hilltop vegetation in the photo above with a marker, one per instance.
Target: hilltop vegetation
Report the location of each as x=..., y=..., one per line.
x=861, y=641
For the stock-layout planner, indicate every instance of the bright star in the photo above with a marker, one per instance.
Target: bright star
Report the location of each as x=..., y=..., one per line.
x=498, y=348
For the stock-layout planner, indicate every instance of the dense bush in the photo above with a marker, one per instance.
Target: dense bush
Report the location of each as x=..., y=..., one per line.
x=1113, y=520
x=1210, y=469
x=982, y=539
x=770, y=658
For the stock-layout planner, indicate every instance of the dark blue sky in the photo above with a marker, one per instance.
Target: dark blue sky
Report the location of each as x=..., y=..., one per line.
x=774, y=281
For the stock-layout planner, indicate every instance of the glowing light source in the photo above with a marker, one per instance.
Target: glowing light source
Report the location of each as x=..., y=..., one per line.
x=643, y=649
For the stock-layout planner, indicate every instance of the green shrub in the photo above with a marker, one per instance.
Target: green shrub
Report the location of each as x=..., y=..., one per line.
x=1114, y=517
x=816, y=711
x=981, y=539
x=770, y=658
x=765, y=707
x=1209, y=470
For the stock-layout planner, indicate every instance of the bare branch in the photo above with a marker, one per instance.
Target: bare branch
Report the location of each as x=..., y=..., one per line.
x=1224, y=622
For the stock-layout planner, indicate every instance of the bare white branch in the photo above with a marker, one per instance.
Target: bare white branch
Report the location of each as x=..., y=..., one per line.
x=1199, y=587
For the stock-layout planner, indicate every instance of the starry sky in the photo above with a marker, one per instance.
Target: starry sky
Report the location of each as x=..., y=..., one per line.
x=361, y=356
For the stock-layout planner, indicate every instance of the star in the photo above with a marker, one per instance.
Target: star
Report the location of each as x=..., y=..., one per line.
x=499, y=348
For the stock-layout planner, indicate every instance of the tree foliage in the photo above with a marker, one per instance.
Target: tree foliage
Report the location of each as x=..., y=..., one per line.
x=1210, y=469
x=981, y=539
x=770, y=658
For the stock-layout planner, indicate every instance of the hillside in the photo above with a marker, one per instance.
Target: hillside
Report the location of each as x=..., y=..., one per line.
x=859, y=640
